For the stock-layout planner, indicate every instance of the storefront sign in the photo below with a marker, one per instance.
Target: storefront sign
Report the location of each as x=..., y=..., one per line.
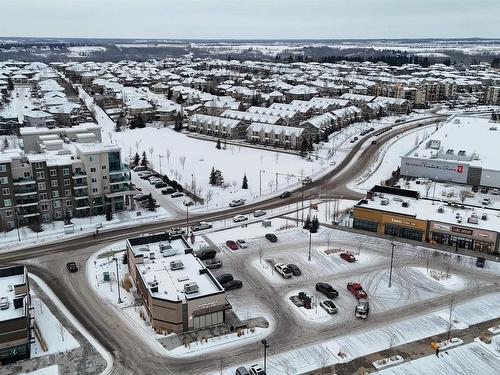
x=465, y=231
x=403, y=222
x=446, y=228
x=483, y=234
x=207, y=305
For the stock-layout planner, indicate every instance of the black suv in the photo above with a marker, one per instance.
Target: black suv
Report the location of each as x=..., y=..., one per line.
x=285, y=194
x=480, y=262
x=206, y=254
x=225, y=278
x=327, y=290
x=295, y=270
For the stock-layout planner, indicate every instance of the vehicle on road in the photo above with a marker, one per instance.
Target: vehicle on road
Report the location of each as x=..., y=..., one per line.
x=495, y=192
x=239, y=218
x=258, y=213
x=177, y=195
x=327, y=290
x=329, y=306
x=295, y=269
x=480, y=261
x=176, y=230
x=225, y=278
x=71, y=266
x=374, y=142
x=486, y=201
x=357, y=290
x=256, y=370
x=232, y=245
x=236, y=202
x=242, y=243
x=333, y=162
x=205, y=254
x=271, y=237
x=233, y=284
x=362, y=309
x=484, y=190
x=201, y=226
x=285, y=194
x=242, y=371
x=283, y=270
x=307, y=180
x=348, y=256
x=213, y=263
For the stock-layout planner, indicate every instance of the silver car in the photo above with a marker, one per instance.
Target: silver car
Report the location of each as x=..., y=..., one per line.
x=329, y=306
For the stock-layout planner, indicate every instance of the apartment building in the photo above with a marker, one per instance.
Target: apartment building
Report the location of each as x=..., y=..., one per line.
x=493, y=95
x=277, y=135
x=217, y=126
x=16, y=321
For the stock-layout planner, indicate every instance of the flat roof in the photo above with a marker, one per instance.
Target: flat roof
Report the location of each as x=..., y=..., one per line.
x=423, y=209
x=156, y=269
x=470, y=135
x=7, y=290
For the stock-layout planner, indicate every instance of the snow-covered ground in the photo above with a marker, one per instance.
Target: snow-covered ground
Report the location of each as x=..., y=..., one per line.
x=56, y=336
x=19, y=105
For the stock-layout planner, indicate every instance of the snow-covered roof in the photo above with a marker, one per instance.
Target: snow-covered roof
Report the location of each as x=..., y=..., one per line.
x=214, y=120
x=277, y=129
x=253, y=117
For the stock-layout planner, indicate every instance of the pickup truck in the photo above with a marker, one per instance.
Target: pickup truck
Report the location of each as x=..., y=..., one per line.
x=362, y=309
x=201, y=226
x=357, y=290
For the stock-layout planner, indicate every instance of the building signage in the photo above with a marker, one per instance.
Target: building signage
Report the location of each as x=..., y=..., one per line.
x=441, y=227
x=443, y=167
x=482, y=234
x=403, y=222
x=460, y=169
x=465, y=231
x=207, y=305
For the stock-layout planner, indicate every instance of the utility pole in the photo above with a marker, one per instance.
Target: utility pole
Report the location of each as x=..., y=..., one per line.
x=266, y=345
x=392, y=259
x=187, y=218
x=260, y=180
x=117, y=280
x=310, y=239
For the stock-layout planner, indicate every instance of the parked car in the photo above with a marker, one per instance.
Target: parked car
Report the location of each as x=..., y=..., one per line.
x=142, y=197
x=283, y=270
x=480, y=261
x=295, y=269
x=225, y=278
x=242, y=243
x=306, y=180
x=362, y=309
x=346, y=255
x=201, y=226
x=475, y=189
x=237, y=202
x=138, y=196
x=327, y=290
x=205, y=254
x=213, y=263
x=140, y=168
x=155, y=181
x=285, y=194
x=271, y=237
x=485, y=190
x=160, y=185
x=256, y=370
x=495, y=192
x=486, y=201
x=233, y=284
x=329, y=306
x=168, y=190
x=239, y=218
x=242, y=371
x=177, y=195
x=145, y=175
x=71, y=266
x=232, y=245
x=258, y=213
x=357, y=290
x=4, y=303
x=374, y=142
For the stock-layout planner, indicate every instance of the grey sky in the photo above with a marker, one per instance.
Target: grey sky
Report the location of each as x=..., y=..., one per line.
x=259, y=19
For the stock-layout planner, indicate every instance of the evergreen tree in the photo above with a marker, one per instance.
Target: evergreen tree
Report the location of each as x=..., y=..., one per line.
x=244, y=184
x=125, y=258
x=140, y=122
x=493, y=116
x=217, y=146
x=303, y=147
x=211, y=179
x=109, y=213
x=314, y=224
x=10, y=84
x=5, y=143
x=307, y=223
x=137, y=159
x=310, y=147
x=180, y=99
x=169, y=93
x=144, y=161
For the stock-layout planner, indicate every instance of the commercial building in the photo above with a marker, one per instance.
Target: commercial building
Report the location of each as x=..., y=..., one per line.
x=402, y=213
x=463, y=150
x=179, y=293
x=16, y=321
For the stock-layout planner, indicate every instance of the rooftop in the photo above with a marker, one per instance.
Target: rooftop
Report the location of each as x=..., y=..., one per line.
x=9, y=278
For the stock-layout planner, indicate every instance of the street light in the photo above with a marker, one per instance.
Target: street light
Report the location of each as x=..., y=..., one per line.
x=310, y=239
x=117, y=279
x=392, y=259
x=260, y=180
x=159, y=159
x=266, y=345
x=187, y=204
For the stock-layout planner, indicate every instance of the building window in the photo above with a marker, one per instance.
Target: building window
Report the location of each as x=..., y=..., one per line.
x=69, y=203
x=67, y=193
x=3, y=168
x=92, y=170
x=53, y=183
x=66, y=172
x=4, y=180
x=94, y=179
x=43, y=196
x=370, y=226
x=45, y=217
x=104, y=177
x=39, y=165
x=44, y=207
x=53, y=172
x=5, y=191
x=409, y=233
x=41, y=186
x=66, y=183
x=114, y=161
x=40, y=175
x=57, y=215
x=8, y=213
x=94, y=190
x=103, y=167
x=55, y=194
x=56, y=204
x=91, y=158
x=10, y=224
x=7, y=202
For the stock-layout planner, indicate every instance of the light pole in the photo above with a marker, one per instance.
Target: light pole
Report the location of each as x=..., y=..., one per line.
x=187, y=204
x=117, y=279
x=392, y=259
x=159, y=159
x=260, y=180
x=266, y=345
x=16, y=211
x=310, y=239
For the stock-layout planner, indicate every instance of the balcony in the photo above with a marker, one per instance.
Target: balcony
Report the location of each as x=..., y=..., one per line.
x=119, y=179
x=80, y=193
x=26, y=202
x=124, y=169
x=25, y=192
x=80, y=174
x=23, y=181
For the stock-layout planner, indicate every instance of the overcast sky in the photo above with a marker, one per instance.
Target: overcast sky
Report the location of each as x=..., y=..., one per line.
x=250, y=19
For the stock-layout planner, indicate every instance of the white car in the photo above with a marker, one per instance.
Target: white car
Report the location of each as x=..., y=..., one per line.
x=283, y=270
x=239, y=218
x=259, y=213
x=306, y=180
x=236, y=202
x=333, y=162
x=4, y=303
x=242, y=243
x=486, y=201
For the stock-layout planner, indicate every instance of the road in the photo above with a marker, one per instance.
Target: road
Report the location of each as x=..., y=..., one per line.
x=131, y=354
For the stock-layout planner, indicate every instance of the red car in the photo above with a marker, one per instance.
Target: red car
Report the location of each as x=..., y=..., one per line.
x=348, y=256
x=357, y=290
x=232, y=245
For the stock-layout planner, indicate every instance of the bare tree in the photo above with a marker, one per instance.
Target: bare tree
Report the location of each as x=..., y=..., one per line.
x=276, y=156
x=463, y=195
x=209, y=196
x=270, y=184
x=61, y=330
x=323, y=362
x=151, y=150
x=168, y=153
x=392, y=340
x=182, y=160
x=451, y=308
